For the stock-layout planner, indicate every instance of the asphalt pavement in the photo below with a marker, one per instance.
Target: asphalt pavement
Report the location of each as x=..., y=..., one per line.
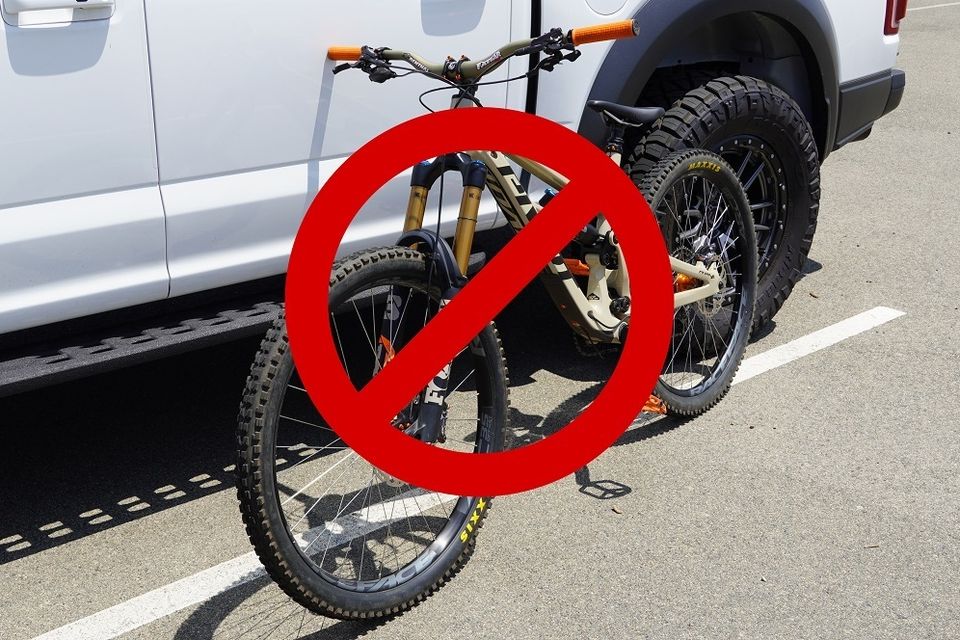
x=821, y=499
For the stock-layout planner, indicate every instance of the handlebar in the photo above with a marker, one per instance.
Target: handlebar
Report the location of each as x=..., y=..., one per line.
x=465, y=69
x=606, y=31
x=351, y=54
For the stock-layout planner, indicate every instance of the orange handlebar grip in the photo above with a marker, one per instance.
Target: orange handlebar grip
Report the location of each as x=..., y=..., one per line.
x=345, y=53
x=607, y=31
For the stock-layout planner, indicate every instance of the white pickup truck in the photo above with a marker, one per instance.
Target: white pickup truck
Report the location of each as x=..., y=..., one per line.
x=156, y=156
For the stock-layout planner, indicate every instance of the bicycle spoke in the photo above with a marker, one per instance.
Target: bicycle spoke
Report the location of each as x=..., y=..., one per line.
x=304, y=422
x=343, y=356
x=373, y=350
x=318, y=478
x=354, y=523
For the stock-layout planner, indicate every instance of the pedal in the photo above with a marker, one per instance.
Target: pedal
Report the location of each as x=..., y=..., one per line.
x=655, y=406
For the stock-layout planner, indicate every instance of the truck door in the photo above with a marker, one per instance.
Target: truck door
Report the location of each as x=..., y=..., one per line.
x=81, y=222
x=250, y=121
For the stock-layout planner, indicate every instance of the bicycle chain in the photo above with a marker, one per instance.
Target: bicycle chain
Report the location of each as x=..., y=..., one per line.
x=590, y=349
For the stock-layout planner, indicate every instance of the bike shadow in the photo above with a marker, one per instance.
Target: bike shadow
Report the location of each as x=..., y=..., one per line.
x=259, y=609
x=530, y=428
x=256, y=607
x=536, y=338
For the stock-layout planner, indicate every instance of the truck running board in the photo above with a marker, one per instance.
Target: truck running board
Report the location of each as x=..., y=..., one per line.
x=74, y=349
x=75, y=355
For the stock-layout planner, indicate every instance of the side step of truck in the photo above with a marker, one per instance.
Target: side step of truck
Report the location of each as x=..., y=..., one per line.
x=73, y=355
x=73, y=349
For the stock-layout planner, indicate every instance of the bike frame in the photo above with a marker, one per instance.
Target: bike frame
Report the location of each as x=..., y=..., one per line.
x=588, y=313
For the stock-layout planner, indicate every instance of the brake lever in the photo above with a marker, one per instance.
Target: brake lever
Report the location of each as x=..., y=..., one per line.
x=549, y=41
x=377, y=69
x=556, y=57
x=381, y=73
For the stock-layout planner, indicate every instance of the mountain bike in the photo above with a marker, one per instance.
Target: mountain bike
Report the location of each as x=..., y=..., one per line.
x=347, y=540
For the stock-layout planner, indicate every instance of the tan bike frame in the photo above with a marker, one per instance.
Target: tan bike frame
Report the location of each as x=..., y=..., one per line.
x=589, y=313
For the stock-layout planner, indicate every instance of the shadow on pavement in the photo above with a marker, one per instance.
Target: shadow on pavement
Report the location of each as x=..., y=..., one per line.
x=531, y=428
x=99, y=452
x=259, y=609
x=96, y=453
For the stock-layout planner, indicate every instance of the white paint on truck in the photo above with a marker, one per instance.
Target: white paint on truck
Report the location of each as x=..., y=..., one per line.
x=81, y=222
x=154, y=148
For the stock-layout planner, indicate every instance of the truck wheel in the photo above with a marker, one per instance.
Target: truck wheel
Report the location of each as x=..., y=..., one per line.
x=762, y=133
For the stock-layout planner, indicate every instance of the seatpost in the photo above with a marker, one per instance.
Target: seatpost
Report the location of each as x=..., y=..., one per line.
x=615, y=139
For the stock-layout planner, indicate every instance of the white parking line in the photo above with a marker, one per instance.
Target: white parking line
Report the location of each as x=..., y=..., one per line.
x=176, y=596
x=934, y=6
x=160, y=603
x=816, y=341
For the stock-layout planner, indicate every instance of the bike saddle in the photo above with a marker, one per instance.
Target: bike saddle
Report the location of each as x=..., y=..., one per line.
x=637, y=116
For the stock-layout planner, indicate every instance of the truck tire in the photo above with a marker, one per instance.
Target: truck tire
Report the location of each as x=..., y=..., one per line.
x=667, y=86
x=760, y=131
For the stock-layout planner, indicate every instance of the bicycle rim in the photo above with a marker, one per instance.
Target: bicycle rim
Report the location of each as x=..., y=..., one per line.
x=356, y=527
x=699, y=218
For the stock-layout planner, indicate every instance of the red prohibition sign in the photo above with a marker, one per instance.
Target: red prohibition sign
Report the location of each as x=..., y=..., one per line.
x=362, y=418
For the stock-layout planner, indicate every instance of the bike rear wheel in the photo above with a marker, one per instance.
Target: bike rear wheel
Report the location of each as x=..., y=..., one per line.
x=705, y=216
x=339, y=536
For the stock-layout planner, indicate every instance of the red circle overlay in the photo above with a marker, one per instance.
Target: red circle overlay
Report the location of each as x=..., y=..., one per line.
x=362, y=418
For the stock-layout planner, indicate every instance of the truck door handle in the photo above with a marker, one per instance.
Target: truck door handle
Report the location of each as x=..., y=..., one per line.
x=20, y=6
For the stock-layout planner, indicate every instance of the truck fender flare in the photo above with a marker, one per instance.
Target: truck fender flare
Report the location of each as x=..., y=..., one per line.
x=630, y=63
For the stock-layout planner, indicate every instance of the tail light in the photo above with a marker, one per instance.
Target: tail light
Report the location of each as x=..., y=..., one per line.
x=896, y=11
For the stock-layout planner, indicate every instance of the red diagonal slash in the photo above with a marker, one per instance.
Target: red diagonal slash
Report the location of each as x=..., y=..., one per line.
x=483, y=298
x=362, y=418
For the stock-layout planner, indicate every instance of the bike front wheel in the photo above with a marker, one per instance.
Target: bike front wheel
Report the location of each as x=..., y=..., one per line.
x=338, y=535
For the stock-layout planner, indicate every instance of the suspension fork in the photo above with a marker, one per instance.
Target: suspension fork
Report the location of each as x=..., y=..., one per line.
x=448, y=268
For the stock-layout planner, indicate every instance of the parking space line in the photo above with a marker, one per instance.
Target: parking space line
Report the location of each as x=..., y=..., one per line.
x=816, y=341
x=160, y=603
x=200, y=587
x=176, y=596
